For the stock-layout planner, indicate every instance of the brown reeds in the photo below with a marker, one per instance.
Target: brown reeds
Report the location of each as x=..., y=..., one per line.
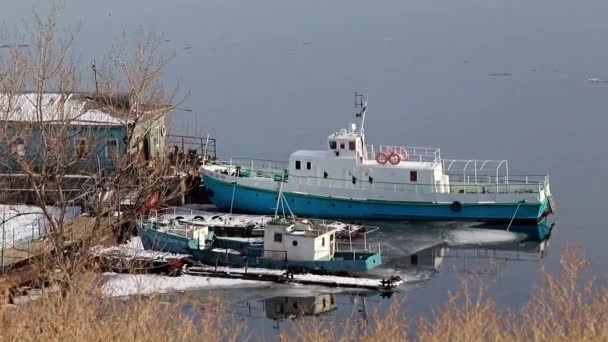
x=567, y=306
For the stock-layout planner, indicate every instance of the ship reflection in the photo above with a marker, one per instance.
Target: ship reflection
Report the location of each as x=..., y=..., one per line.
x=282, y=308
x=423, y=252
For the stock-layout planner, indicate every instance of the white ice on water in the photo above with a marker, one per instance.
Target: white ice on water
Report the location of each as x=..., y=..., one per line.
x=476, y=236
x=121, y=285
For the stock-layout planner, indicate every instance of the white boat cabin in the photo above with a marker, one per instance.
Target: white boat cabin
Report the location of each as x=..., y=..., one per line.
x=348, y=162
x=299, y=241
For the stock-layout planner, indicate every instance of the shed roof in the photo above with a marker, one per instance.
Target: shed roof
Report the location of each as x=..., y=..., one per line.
x=74, y=109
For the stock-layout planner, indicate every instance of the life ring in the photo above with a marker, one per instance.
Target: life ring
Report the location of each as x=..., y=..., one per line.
x=382, y=158
x=163, y=130
x=394, y=159
x=456, y=206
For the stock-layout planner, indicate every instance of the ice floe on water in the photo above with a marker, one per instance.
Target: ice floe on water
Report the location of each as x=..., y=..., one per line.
x=476, y=236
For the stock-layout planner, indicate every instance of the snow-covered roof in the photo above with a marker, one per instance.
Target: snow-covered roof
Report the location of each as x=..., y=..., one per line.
x=55, y=107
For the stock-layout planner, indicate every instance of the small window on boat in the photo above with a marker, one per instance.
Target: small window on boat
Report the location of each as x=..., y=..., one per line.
x=325, y=175
x=332, y=144
x=331, y=237
x=308, y=165
x=298, y=164
x=323, y=242
x=342, y=146
x=295, y=243
x=352, y=145
x=278, y=237
x=413, y=176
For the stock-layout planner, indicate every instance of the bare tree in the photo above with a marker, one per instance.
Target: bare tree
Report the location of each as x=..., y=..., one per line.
x=71, y=147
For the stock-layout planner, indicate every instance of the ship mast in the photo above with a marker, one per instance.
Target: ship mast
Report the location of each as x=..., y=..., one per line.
x=361, y=105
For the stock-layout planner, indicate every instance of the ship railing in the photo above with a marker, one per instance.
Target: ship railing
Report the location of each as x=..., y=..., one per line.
x=188, y=213
x=476, y=168
x=521, y=184
x=411, y=153
x=254, y=167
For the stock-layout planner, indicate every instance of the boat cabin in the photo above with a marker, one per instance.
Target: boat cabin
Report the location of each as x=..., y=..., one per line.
x=200, y=235
x=299, y=241
x=349, y=163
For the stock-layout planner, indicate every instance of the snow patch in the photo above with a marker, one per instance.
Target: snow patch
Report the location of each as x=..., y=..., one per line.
x=121, y=285
x=20, y=223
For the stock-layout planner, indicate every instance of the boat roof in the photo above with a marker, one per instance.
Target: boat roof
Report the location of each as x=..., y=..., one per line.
x=312, y=154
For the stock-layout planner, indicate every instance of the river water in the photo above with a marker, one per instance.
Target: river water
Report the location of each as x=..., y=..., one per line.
x=268, y=77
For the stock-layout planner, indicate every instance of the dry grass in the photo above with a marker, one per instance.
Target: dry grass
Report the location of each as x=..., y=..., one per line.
x=81, y=315
x=563, y=307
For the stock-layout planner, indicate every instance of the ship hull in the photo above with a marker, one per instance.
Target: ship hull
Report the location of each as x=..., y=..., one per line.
x=231, y=195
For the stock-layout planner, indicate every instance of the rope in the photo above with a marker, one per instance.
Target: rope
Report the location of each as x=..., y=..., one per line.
x=233, y=191
x=513, y=217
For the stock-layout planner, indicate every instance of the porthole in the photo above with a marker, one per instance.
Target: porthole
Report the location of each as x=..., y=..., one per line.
x=294, y=243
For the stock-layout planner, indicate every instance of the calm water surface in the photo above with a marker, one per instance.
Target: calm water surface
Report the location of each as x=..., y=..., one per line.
x=268, y=77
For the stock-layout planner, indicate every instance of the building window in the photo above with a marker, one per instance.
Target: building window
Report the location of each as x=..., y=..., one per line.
x=332, y=144
x=82, y=148
x=413, y=176
x=352, y=145
x=308, y=165
x=278, y=237
x=111, y=148
x=298, y=165
x=342, y=146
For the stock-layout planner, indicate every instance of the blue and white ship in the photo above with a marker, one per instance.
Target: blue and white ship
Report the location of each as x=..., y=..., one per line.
x=351, y=179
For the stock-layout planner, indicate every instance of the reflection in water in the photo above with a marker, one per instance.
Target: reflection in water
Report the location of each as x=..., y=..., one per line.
x=280, y=308
x=419, y=252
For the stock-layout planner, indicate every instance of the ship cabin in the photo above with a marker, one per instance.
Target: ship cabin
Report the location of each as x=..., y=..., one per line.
x=299, y=241
x=349, y=163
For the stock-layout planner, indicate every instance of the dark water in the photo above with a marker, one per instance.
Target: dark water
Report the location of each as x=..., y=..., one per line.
x=268, y=77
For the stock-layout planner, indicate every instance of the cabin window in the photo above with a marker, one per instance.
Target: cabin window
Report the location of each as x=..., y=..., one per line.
x=352, y=145
x=111, y=148
x=413, y=176
x=308, y=165
x=295, y=243
x=342, y=146
x=322, y=242
x=332, y=144
x=331, y=237
x=82, y=148
x=298, y=164
x=278, y=237
x=325, y=175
